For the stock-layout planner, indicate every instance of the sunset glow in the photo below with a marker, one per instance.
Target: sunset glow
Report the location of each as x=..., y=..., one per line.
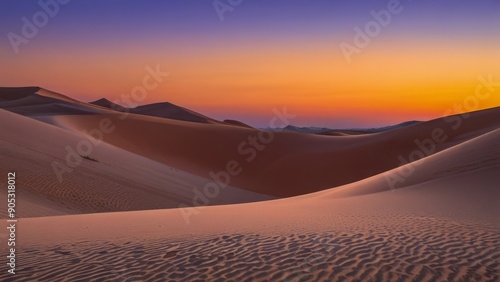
x=264, y=56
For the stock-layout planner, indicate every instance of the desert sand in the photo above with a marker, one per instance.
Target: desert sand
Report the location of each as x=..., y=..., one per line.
x=338, y=218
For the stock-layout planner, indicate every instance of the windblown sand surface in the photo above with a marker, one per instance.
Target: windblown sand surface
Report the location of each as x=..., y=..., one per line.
x=440, y=222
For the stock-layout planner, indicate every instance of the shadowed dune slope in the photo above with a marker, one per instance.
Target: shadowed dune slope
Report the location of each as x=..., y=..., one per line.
x=103, y=102
x=15, y=93
x=283, y=163
x=279, y=164
x=36, y=101
x=171, y=111
x=236, y=123
x=119, y=181
x=164, y=110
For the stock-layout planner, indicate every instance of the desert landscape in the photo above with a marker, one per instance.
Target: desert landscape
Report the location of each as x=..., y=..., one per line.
x=241, y=141
x=310, y=207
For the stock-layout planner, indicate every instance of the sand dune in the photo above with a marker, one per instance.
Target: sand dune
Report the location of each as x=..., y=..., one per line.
x=292, y=164
x=164, y=110
x=36, y=101
x=443, y=226
x=103, y=102
x=236, y=123
x=171, y=111
x=120, y=181
x=15, y=93
x=479, y=153
x=415, y=203
x=345, y=132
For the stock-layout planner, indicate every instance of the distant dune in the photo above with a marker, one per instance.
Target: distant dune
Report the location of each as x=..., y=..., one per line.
x=164, y=110
x=16, y=93
x=103, y=102
x=343, y=132
x=292, y=164
x=36, y=101
x=236, y=123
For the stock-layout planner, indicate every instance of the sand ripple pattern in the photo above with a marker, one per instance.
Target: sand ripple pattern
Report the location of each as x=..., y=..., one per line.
x=424, y=253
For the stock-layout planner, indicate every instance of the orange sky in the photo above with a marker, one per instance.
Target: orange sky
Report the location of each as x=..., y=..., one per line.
x=243, y=68
x=390, y=82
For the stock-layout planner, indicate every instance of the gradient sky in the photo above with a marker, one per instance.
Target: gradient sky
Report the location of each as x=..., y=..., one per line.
x=264, y=54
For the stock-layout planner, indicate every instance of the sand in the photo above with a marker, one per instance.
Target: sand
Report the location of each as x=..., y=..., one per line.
x=163, y=110
x=120, y=181
x=442, y=227
x=291, y=164
x=341, y=220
